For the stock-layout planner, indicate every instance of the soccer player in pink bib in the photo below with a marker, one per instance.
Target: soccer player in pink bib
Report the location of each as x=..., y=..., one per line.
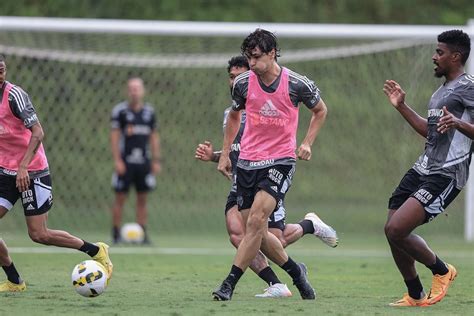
x=270, y=95
x=24, y=174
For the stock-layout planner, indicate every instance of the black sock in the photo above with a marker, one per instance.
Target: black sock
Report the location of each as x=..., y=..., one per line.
x=292, y=269
x=145, y=235
x=269, y=276
x=89, y=248
x=116, y=233
x=12, y=273
x=439, y=267
x=415, y=289
x=307, y=226
x=234, y=275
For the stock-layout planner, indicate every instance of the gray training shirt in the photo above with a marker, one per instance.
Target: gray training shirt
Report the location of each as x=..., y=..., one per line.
x=450, y=153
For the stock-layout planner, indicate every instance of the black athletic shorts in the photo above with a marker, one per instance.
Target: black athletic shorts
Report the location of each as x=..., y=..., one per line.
x=275, y=180
x=435, y=192
x=137, y=174
x=276, y=219
x=37, y=200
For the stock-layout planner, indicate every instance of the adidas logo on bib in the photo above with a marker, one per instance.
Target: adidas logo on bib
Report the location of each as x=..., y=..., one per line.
x=268, y=109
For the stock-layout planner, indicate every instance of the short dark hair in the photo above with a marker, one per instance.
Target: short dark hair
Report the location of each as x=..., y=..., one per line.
x=457, y=41
x=265, y=40
x=2, y=58
x=238, y=61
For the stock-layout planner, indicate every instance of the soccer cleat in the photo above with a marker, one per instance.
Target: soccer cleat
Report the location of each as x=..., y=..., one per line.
x=302, y=284
x=8, y=286
x=103, y=258
x=322, y=230
x=407, y=301
x=275, y=291
x=223, y=292
x=440, y=285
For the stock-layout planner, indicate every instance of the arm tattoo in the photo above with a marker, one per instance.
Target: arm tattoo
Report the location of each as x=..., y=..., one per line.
x=38, y=143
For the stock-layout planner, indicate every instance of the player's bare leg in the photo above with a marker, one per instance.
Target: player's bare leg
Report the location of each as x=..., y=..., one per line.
x=257, y=235
x=40, y=233
x=117, y=210
x=14, y=283
x=236, y=230
x=256, y=227
x=141, y=208
x=408, y=247
x=142, y=213
x=399, y=229
x=273, y=249
x=5, y=259
x=291, y=234
x=404, y=262
x=255, y=219
x=259, y=265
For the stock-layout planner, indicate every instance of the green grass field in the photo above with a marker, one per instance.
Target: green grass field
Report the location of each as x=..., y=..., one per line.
x=177, y=275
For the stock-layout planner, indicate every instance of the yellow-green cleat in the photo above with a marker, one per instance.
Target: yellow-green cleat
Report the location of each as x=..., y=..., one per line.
x=103, y=258
x=8, y=286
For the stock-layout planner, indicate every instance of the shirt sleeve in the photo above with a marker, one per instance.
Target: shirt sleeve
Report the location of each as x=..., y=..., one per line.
x=21, y=107
x=239, y=94
x=466, y=97
x=308, y=93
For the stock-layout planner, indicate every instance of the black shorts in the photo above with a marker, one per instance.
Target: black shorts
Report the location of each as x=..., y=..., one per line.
x=231, y=201
x=275, y=180
x=435, y=192
x=137, y=174
x=37, y=200
x=276, y=219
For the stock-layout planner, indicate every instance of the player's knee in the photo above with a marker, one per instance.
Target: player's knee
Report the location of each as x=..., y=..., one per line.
x=41, y=237
x=393, y=231
x=256, y=224
x=235, y=239
x=283, y=241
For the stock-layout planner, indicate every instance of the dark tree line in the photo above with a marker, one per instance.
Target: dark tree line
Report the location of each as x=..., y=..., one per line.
x=305, y=11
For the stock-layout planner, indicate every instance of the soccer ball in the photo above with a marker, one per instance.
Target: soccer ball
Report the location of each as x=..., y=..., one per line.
x=132, y=233
x=89, y=278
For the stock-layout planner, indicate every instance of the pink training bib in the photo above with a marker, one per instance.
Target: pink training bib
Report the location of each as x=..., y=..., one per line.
x=272, y=120
x=14, y=139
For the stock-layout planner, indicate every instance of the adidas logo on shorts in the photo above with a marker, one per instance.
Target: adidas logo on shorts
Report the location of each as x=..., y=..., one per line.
x=30, y=207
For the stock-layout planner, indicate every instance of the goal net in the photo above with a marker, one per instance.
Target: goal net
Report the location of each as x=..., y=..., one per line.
x=74, y=79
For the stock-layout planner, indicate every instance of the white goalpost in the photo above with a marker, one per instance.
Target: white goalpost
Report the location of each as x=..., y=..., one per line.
x=388, y=37
x=469, y=217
